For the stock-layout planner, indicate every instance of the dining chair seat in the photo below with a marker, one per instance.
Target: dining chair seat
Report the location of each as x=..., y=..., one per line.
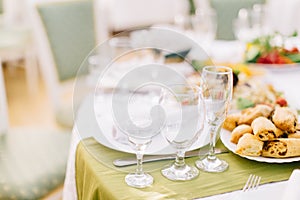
x=64, y=115
x=13, y=38
x=16, y=42
x=32, y=162
x=65, y=110
x=15, y=45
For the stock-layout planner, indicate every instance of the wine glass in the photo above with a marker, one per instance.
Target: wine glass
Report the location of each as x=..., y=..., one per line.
x=145, y=121
x=185, y=112
x=217, y=93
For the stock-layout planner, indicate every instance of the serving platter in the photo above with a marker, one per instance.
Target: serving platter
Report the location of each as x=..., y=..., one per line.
x=225, y=136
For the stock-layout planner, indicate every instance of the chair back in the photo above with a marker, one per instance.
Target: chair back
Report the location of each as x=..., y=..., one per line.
x=70, y=30
x=65, y=34
x=3, y=105
x=227, y=10
x=71, y=33
x=1, y=6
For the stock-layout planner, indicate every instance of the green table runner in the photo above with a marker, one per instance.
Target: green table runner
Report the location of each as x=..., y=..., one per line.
x=97, y=178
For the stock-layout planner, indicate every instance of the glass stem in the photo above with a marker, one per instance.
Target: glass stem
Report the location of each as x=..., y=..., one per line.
x=179, y=161
x=212, y=132
x=139, y=159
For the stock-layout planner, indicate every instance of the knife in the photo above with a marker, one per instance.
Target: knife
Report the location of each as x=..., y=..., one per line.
x=121, y=162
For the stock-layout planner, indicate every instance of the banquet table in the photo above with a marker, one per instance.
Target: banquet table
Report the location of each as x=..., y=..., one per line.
x=91, y=174
x=97, y=178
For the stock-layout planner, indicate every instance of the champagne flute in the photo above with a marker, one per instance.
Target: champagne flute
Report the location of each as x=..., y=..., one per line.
x=185, y=112
x=217, y=93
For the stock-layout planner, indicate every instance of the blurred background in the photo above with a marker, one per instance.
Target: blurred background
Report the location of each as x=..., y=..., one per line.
x=43, y=42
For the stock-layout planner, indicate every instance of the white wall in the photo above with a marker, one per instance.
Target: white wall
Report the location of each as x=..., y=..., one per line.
x=124, y=14
x=283, y=16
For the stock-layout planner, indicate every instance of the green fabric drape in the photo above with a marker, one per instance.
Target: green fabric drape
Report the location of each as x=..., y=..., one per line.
x=97, y=178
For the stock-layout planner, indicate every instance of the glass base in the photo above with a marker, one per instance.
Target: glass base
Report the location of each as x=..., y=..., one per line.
x=182, y=173
x=212, y=165
x=139, y=180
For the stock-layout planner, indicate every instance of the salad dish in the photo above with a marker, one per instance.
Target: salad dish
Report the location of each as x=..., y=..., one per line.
x=274, y=51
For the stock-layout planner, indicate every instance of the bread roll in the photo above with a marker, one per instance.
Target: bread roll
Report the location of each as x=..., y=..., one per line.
x=231, y=121
x=249, y=145
x=285, y=119
x=294, y=135
x=250, y=114
x=278, y=132
x=263, y=128
x=282, y=148
x=298, y=126
x=239, y=131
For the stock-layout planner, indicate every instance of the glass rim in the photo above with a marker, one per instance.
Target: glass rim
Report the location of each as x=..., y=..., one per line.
x=228, y=69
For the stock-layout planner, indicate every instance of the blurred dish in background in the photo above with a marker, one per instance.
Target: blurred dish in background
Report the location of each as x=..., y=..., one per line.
x=274, y=52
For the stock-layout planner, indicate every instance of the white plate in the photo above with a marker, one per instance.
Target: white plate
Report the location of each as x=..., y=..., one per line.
x=115, y=139
x=159, y=146
x=225, y=137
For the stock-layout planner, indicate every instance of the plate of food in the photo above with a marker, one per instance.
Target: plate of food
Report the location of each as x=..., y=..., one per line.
x=264, y=134
x=274, y=52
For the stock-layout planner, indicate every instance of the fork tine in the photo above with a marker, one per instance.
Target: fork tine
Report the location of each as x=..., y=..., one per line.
x=247, y=183
x=257, y=182
x=250, y=186
x=252, y=183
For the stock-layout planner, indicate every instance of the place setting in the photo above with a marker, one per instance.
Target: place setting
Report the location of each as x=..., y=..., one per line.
x=182, y=132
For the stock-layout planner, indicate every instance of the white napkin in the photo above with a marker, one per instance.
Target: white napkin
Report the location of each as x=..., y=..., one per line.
x=292, y=187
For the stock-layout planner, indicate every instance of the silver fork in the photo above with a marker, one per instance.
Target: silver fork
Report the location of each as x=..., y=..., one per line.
x=252, y=183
